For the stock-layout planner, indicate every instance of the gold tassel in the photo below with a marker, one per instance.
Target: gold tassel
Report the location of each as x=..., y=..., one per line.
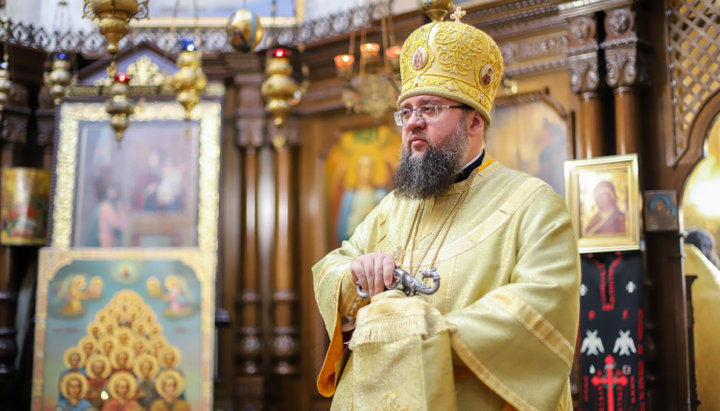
x=393, y=322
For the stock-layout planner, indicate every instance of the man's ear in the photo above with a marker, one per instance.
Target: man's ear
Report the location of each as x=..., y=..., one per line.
x=476, y=125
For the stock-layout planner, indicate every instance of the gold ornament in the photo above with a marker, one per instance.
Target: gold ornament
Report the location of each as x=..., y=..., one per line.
x=59, y=78
x=436, y=9
x=120, y=106
x=452, y=60
x=5, y=84
x=279, y=89
x=244, y=31
x=114, y=16
x=189, y=81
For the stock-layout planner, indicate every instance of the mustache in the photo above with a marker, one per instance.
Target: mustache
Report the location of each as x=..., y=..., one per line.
x=417, y=135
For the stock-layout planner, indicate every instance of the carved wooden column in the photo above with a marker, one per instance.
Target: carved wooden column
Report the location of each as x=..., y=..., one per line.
x=285, y=339
x=625, y=73
x=13, y=133
x=45, y=119
x=251, y=131
x=251, y=339
x=585, y=74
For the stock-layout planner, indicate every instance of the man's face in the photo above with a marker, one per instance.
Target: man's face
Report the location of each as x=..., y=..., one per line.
x=169, y=359
x=74, y=360
x=74, y=388
x=418, y=135
x=88, y=348
x=122, y=388
x=98, y=368
x=169, y=386
x=108, y=346
x=432, y=153
x=146, y=367
x=122, y=359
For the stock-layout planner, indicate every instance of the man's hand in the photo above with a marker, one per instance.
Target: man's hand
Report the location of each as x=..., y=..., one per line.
x=374, y=271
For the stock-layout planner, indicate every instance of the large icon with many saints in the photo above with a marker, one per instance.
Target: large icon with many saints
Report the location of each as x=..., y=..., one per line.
x=124, y=329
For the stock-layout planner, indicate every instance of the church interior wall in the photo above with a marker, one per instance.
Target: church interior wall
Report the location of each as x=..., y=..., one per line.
x=249, y=184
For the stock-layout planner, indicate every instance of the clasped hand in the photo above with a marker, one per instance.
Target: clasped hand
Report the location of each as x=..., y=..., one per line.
x=374, y=271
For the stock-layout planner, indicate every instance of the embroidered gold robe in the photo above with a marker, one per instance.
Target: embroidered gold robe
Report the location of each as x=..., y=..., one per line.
x=706, y=310
x=510, y=284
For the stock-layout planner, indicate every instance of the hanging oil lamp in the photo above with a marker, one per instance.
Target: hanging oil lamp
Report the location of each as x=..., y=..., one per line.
x=59, y=78
x=189, y=81
x=393, y=56
x=5, y=84
x=279, y=87
x=114, y=17
x=120, y=106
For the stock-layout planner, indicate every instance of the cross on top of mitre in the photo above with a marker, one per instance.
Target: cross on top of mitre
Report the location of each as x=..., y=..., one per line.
x=458, y=14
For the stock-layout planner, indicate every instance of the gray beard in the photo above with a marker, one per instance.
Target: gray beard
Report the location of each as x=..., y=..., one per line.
x=435, y=170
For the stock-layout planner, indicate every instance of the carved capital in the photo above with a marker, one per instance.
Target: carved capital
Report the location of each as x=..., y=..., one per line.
x=250, y=132
x=286, y=136
x=45, y=100
x=18, y=96
x=582, y=53
x=46, y=131
x=625, y=67
x=625, y=60
x=14, y=126
x=584, y=73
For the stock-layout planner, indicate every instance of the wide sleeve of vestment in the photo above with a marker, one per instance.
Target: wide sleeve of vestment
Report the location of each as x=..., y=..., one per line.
x=336, y=294
x=519, y=338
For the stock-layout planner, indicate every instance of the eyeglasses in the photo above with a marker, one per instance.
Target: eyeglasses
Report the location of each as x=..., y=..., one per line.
x=426, y=113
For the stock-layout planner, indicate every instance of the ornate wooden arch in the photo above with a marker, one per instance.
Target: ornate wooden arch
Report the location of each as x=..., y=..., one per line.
x=698, y=135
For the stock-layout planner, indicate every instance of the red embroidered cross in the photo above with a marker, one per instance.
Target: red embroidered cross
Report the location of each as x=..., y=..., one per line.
x=609, y=381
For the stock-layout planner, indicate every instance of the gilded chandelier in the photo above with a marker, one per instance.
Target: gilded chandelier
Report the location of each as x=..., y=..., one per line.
x=114, y=17
x=373, y=91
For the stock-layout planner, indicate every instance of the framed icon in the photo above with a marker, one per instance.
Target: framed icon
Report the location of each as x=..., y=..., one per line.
x=604, y=202
x=158, y=187
x=124, y=326
x=661, y=210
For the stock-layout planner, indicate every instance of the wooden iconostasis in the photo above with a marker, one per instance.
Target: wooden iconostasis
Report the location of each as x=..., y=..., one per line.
x=581, y=83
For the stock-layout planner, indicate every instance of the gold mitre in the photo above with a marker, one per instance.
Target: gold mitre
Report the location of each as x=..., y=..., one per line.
x=453, y=60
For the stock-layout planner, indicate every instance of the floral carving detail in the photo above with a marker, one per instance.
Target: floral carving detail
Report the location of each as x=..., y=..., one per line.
x=613, y=73
x=619, y=21
x=592, y=77
x=580, y=29
x=457, y=48
x=509, y=51
x=575, y=81
x=630, y=71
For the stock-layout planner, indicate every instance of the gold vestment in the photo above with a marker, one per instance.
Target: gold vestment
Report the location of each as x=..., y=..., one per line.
x=706, y=311
x=510, y=279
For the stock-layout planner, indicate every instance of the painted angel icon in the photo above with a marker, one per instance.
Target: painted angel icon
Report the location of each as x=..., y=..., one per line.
x=176, y=292
x=73, y=290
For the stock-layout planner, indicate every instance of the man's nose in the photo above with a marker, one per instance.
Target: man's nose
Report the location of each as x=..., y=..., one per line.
x=414, y=121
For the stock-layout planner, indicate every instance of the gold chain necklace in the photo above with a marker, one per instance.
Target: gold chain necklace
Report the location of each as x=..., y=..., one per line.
x=415, y=229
